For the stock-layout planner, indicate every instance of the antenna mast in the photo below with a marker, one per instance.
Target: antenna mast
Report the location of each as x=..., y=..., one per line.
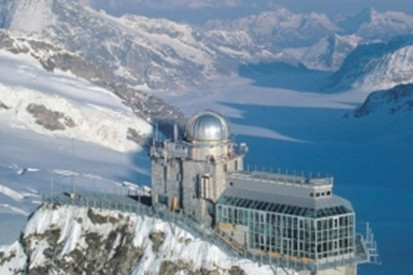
x=72, y=175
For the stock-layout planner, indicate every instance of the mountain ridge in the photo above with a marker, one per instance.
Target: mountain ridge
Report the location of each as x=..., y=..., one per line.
x=376, y=66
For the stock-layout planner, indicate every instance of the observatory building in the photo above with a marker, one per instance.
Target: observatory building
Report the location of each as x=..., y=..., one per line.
x=295, y=220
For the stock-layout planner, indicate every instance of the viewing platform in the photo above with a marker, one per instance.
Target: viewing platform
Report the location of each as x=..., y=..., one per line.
x=280, y=178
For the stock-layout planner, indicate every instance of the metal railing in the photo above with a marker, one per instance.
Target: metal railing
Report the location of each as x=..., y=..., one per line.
x=365, y=249
x=280, y=178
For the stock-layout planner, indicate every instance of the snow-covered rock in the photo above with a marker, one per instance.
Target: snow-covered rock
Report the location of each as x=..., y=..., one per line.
x=281, y=27
x=371, y=24
x=159, y=54
x=328, y=54
x=143, y=52
x=376, y=66
x=395, y=100
x=60, y=104
x=12, y=259
x=73, y=240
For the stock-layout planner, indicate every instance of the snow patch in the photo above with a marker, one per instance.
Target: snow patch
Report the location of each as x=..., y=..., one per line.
x=10, y=193
x=94, y=114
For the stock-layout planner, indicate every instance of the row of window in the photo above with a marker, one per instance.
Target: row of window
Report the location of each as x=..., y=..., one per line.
x=299, y=248
x=321, y=194
x=235, y=202
x=289, y=235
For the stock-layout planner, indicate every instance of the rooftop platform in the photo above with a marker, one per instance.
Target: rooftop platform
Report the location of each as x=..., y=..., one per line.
x=279, y=178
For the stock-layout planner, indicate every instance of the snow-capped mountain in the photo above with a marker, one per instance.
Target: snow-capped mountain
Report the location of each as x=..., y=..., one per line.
x=395, y=100
x=280, y=28
x=376, y=66
x=373, y=25
x=328, y=54
x=143, y=52
x=73, y=240
x=159, y=54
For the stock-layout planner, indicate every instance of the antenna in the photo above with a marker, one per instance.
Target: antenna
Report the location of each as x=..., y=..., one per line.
x=156, y=131
x=175, y=137
x=72, y=175
x=51, y=185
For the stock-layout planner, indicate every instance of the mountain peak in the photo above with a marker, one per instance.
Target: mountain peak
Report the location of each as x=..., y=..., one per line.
x=368, y=13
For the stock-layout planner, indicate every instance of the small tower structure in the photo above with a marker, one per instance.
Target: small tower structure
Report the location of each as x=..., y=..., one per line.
x=189, y=172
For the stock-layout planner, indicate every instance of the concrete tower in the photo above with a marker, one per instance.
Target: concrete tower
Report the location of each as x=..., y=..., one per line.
x=189, y=173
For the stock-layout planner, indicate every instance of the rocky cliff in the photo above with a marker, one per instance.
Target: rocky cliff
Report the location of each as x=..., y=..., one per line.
x=73, y=240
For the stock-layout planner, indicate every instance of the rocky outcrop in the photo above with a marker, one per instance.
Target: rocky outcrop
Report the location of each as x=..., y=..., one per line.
x=77, y=240
x=395, y=100
x=4, y=106
x=49, y=119
x=97, y=251
x=53, y=58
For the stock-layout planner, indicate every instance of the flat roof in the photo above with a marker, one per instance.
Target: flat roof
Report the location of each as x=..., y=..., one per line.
x=285, y=203
x=279, y=178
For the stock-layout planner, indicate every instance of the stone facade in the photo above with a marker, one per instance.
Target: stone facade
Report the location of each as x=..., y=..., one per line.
x=189, y=173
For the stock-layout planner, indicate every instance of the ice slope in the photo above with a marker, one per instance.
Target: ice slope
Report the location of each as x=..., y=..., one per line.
x=131, y=243
x=96, y=115
x=41, y=15
x=33, y=164
x=376, y=66
x=36, y=160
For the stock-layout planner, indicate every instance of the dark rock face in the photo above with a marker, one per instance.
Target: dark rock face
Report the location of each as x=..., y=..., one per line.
x=236, y=270
x=157, y=238
x=4, y=106
x=136, y=137
x=170, y=268
x=99, y=219
x=51, y=120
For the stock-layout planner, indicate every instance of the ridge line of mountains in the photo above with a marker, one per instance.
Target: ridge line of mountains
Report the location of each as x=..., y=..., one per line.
x=131, y=55
x=159, y=54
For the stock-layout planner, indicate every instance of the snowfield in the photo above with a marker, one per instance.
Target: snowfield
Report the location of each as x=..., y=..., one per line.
x=91, y=139
x=92, y=114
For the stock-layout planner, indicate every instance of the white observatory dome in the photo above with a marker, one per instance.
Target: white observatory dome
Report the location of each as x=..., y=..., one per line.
x=207, y=126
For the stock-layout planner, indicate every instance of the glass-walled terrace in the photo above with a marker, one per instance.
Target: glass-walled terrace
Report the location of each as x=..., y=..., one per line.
x=286, y=230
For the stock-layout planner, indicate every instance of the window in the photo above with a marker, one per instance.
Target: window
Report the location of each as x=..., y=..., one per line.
x=231, y=183
x=317, y=194
x=311, y=194
x=328, y=193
